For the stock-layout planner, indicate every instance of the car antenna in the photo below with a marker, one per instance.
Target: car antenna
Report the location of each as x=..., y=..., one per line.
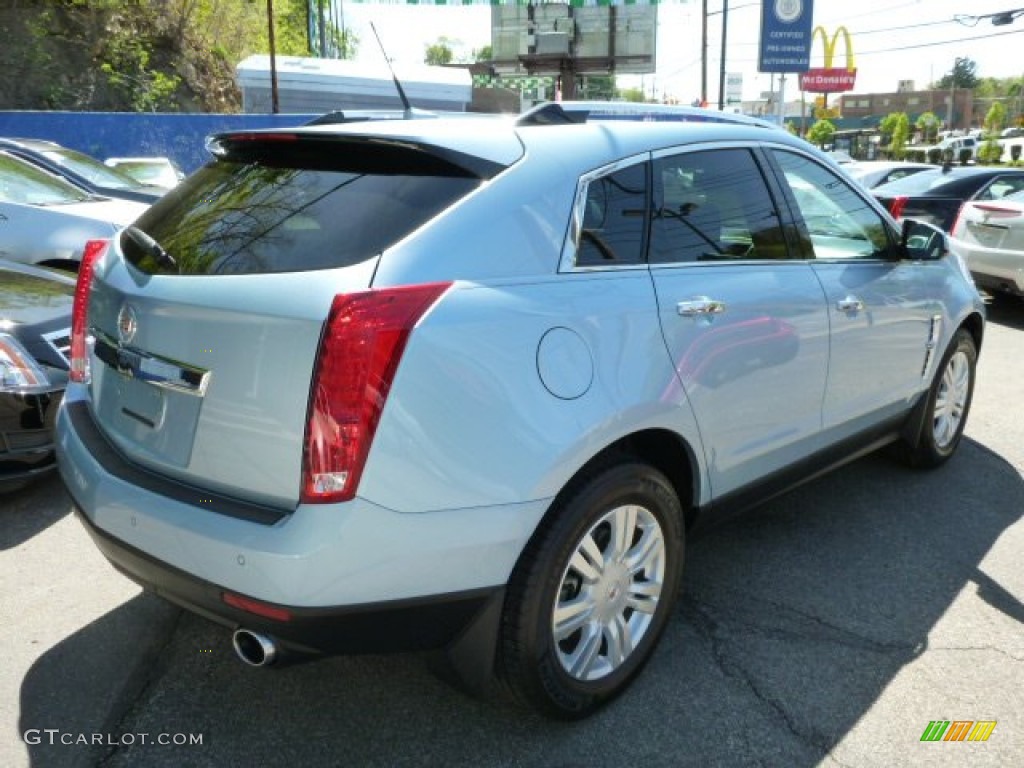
x=398, y=85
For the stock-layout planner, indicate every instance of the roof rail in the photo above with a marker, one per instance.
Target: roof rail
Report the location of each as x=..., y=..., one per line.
x=364, y=115
x=552, y=113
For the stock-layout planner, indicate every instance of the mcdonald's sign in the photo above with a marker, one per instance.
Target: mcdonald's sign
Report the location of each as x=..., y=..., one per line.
x=830, y=79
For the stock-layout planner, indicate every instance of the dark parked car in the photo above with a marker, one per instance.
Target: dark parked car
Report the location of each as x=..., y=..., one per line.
x=936, y=196
x=80, y=169
x=35, y=322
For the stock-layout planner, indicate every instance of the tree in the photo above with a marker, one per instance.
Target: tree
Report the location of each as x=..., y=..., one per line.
x=963, y=75
x=483, y=54
x=896, y=125
x=928, y=124
x=632, y=94
x=440, y=53
x=991, y=151
x=821, y=133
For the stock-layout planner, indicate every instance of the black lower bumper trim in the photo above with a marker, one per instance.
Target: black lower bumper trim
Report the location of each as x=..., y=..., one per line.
x=399, y=625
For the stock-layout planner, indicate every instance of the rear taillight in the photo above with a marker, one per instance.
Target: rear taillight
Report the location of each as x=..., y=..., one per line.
x=94, y=250
x=999, y=211
x=897, y=205
x=956, y=221
x=363, y=342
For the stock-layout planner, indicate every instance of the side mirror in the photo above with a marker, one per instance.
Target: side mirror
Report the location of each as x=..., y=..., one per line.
x=920, y=241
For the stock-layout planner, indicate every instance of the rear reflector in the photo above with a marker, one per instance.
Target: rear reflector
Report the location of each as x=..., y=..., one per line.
x=256, y=608
x=897, y=205
x=94, y=250
x=362, y=344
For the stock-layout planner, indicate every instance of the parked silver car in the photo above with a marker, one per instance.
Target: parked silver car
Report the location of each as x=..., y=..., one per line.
x=46, y=221
x=470, y=383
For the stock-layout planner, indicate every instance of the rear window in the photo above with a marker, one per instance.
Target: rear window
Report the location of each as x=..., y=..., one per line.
x=252, y=217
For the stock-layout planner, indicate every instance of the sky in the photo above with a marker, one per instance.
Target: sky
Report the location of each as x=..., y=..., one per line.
x=893, y=40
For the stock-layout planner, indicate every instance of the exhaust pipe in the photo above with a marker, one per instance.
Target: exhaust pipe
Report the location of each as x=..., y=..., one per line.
x=254, y=649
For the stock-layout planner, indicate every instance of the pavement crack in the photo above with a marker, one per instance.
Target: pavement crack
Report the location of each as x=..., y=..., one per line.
x=711, y=630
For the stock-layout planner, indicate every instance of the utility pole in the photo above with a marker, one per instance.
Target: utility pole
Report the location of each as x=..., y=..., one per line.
x=704, y=54
x=274, y=105
x=721, y=73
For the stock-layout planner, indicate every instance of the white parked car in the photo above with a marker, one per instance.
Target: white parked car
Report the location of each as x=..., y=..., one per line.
x=990, y=236
x=45, y=220
x=154, y=171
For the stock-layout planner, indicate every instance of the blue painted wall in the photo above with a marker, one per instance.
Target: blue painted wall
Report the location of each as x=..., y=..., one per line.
x=180, y=137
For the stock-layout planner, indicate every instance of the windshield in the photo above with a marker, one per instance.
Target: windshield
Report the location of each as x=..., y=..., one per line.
x=90, y=169
x=26, y=184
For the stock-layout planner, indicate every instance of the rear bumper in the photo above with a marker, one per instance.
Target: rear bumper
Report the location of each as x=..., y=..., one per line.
x=352, y=577
x=400, y=625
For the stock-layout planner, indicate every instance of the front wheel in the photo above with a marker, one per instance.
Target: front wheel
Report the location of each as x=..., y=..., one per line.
x=949, y=401
x=592, y=592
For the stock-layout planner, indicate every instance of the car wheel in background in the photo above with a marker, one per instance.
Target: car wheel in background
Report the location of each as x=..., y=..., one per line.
x=592, y=592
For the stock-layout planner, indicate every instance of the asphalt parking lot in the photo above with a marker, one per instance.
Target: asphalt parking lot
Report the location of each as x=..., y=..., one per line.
x=829, y=627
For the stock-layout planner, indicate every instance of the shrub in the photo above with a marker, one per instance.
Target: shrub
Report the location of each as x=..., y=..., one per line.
x=935, y=155
x=965, y=155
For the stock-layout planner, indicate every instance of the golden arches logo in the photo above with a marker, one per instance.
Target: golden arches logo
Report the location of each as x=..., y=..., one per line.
x=830, y=46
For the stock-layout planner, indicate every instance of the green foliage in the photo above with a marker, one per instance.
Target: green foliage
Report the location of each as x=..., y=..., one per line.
x=928, y=124
x=600, y=87
x=439, y=53
x=483, y=54
x=821, y=133
x=632, y=94
x=896, y=126
x=963, y=75
x=991, y=151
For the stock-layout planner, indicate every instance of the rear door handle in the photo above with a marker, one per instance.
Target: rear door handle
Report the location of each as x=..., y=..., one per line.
x=701, y=305
x=850, y=304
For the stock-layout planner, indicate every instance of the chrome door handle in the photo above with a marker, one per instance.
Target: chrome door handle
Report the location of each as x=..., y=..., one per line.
x=701, y=305
x=850, y=304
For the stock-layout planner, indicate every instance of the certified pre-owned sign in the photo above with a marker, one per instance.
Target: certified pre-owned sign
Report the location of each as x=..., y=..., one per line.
x=786, y=35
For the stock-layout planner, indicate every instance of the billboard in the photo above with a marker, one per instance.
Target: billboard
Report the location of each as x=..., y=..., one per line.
x=551, y=38
x=786, y=35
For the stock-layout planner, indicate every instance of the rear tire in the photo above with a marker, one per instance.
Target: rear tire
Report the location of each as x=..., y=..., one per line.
x=947, y=406
x=592, y=592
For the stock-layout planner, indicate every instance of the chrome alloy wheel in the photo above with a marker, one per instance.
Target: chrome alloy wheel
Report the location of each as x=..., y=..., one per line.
x=609, y=593
x=951, y=400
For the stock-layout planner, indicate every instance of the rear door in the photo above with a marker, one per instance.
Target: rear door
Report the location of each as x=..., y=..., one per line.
x=745, y=325
x=207, y=317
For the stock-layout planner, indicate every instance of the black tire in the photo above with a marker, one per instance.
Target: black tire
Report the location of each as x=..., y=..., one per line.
x=947, y=405
x=621, y=589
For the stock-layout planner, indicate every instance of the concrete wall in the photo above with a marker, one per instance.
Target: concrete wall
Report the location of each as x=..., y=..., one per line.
x=180, y=137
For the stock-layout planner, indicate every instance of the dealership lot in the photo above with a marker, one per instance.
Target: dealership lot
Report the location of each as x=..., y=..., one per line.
x=830, y=627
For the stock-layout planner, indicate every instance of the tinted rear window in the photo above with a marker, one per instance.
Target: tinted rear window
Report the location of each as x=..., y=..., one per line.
x=254, y=218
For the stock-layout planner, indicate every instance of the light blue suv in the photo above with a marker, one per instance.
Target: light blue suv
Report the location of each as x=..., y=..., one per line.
x=468, y=384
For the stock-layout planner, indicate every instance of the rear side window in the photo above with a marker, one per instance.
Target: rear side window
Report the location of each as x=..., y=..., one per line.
x=713, y=206
x=614, y=218
x=242, y=218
